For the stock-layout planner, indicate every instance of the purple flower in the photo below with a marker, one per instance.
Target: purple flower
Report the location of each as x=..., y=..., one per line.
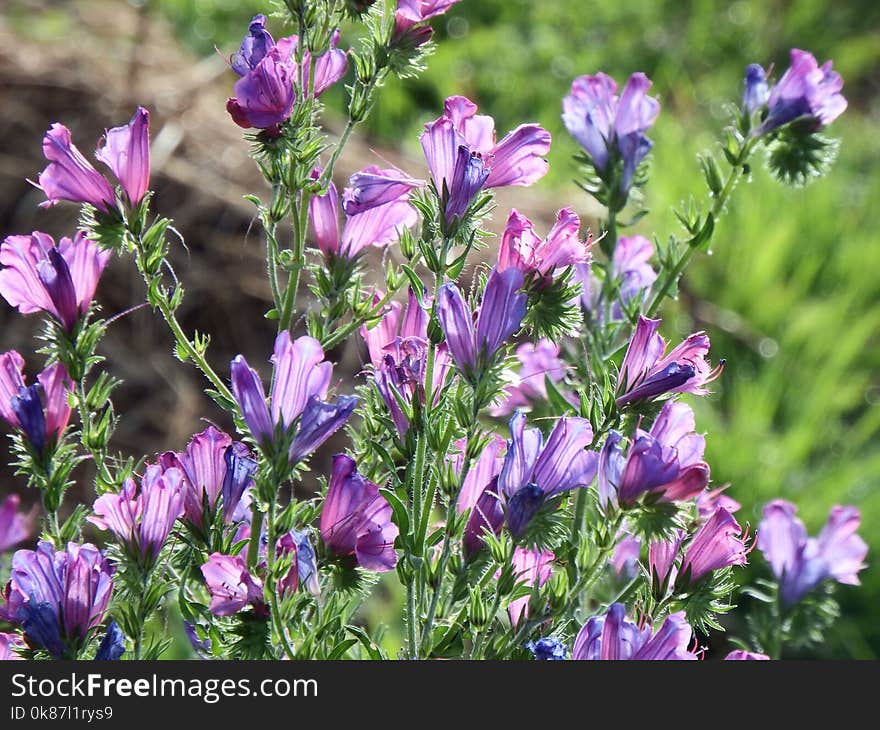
x=69, y=176
x=15, y=527
x=9, y=644
x=608, y=127
x=523, y=249
x=630, y=267
x=625, y=557
x=60, y=280
x=501, y=313
x=647, y=373
x=614, y=637
x=666, y=461
x=299, y=384
x=410, y=12
x=377, y=222
x=40, y=411
x=214, y=468
x=231, y=586
x=662, y=555
x=142, y=516
x=538, y=362
x=801, y=563
x=58, y=597
x=126, y=151
x=719, y=543
x=112, y=646
x=374, y=186
x=482, y=471
x=463, y=157
x=356, y=519
x=805, y=91
x=756, y=91
x=534, y=471
x=304, y=567
x=531, y=568
x=740, y=655
x=397, y=323
x=709, y=501
x=548, y=648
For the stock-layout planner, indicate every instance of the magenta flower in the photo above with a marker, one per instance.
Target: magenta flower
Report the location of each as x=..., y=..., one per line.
x=60, y=280
x=378, y=222
x=662, y=555
x=625, y=557
x=666, y=462
x=69, y=176
x=398, y=323
x=356, y=519
x=614, y=637
x=647, y=373
x=718, y=543
x=532, y=568
x=740, y=655
x=215, y=469
x=805, y=91
x=41, y=410
x=57, y=597
x=126, y=151
x=538, y=362
x=231, y=586
x=709, y=501
x=15, y=527
x=410, y=12
x=534, y=471
x=482, y=471
x=9, y=644
x=611, y=128
x=801, y=563
x=463, y=157
x=630, y=267
x=374, y=186
x=141, y=516
x=523, y=249
x=500, y=315
x=299, y=385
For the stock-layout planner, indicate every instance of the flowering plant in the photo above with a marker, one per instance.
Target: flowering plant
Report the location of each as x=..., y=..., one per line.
x=521, y=456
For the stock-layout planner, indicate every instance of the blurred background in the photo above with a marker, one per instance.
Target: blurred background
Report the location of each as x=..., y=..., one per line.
x=790, y=296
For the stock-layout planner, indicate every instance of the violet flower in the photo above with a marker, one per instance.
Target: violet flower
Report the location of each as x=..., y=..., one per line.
x=299, y=385
x=483, y=469
x=9, y=646
x=801, y=563
x=141, y=516
x=41, y=410
x=69, y=176
x=665, y=462
x=59, y=280
x=399, y=322
x=523, y=249
x=463, y=157
x=538, y=363
x=304, y=566
x=646, y=372
x=548, y=648
x=625, y=558
x=377, y=223
x=112, y=646
x=410, y=12
x=630, y=267
x=805, y=91
x=662, y=555
x=614, y=637
x=501, y=312
x=374, y=186
x=57, y=597
x=755, y=92
x=608, y=127
x=15, y=527
x=356, y=519
x=215, y=469
x=231, y=586
x=532, y=568
x=533, y=471
x=709, y=501
x=718, y=543
x=740, y=655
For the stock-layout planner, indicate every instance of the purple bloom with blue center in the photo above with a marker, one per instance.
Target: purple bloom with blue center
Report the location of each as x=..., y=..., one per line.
x=608, y=127
x=58, y=597
x=39, y=276
x=648, y=372
x=532, y=473
x=548, y=648
x=801, y=563
x=614, y=637
x=298, y=408
x=805, y=91
x=464, y=158
x=500, y=315
x=665, y=462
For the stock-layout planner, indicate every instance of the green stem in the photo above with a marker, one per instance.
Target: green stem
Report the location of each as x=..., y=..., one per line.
x=477, y=648
x=411, y=619
x=271, y=587
x=253, y=552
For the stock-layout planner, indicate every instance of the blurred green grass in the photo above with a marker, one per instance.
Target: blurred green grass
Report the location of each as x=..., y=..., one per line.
x=790, y=295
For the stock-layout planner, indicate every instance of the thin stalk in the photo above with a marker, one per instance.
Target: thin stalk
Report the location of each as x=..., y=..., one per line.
x=477, y=648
